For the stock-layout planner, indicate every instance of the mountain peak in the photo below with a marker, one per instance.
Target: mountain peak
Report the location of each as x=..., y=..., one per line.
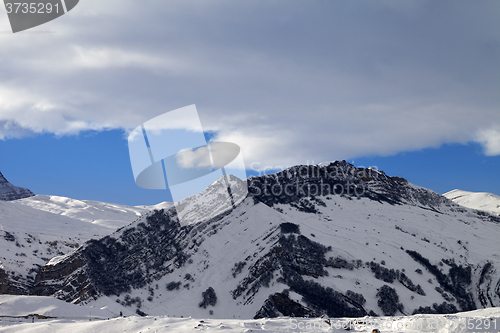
x=10, y=192
x=339, y=178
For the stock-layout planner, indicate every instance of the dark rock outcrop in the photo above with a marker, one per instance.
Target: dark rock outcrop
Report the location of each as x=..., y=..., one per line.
x=10, y=192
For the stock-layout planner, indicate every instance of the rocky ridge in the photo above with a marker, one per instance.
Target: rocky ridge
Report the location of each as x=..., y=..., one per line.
x=10, y=192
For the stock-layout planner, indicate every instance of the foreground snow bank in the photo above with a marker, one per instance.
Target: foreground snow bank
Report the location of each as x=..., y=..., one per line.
x=13, y=306
x=487, y=320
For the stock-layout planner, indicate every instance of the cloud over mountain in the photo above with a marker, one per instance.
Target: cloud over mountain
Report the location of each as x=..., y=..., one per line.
x=286, y=81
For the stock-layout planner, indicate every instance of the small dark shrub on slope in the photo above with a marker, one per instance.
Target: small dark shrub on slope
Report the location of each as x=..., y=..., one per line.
x=209, y=298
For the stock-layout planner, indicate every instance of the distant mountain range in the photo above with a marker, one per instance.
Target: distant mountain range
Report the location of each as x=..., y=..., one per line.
x=10, y=192
x=476, y=200
x=329, y=239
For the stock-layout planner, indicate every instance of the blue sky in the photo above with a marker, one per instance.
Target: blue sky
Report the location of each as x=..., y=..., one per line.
x=411, y=87
x=96, y=166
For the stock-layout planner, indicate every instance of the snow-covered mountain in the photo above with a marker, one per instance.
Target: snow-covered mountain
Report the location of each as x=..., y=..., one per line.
x=476, y=200
x=10, y=192
x=311, y=240
x=109, y=216
x=37, y=228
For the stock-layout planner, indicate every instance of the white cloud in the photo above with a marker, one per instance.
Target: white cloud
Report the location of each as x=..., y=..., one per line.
x=43, y=107
x=199, y=158
x=311, y=81
x=275, y=141
x=490, y=139
x=104, y=57
x=22, y=113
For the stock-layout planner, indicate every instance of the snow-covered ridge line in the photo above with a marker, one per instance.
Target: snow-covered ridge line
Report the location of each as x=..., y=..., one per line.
x=488, y=202
x=107, y=215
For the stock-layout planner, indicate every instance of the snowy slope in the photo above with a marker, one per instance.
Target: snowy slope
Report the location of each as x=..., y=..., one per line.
x=19, y=306
x=35, y=229
x=108, y=215
x=488, y=202
x=392, y=248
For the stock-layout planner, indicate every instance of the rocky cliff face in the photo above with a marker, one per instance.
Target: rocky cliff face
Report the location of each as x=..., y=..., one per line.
x=10, y=192
x=311, y=240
